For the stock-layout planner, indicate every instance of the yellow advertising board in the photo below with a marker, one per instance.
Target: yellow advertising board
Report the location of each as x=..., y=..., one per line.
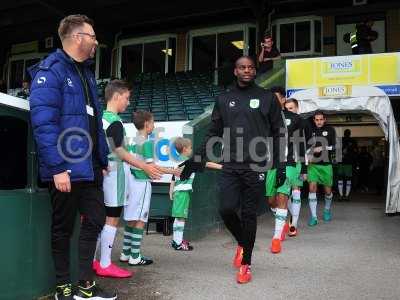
x=335, y=76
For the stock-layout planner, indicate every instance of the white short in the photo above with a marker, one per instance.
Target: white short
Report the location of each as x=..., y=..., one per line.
x=116, y=189
x=139, y=200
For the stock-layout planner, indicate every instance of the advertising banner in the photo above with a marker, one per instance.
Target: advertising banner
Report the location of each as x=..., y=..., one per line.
x=163, y=136
x=337, y=76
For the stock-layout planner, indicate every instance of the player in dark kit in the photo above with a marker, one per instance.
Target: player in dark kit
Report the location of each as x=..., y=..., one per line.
x=246, y=114
x=295, y=167
x=345, y=168
x=322, y=141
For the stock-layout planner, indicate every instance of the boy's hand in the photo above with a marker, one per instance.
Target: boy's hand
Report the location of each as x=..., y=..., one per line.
x=303, y=177
x=303, y=172
x=171, y=196
x=177, y=172
x=318, y=149
x=152, y=171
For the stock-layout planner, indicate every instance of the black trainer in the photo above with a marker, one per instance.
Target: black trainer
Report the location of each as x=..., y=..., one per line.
x=93, y=292
x=140, y=261
x=182, y=247
x=63, y=292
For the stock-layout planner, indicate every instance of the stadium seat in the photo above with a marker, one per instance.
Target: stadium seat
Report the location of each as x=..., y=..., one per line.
x=158, y=109
x=176, y=117
x=173, y=96
x=160, y=117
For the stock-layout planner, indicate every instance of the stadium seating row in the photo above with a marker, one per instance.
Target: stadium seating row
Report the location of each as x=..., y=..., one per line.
x=170, y=97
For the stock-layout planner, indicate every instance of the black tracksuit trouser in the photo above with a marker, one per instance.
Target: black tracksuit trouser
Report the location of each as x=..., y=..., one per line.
x=88, y=199
x=240, y=192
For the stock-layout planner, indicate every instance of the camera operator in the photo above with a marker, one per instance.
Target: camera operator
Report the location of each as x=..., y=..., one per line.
x=268, y=54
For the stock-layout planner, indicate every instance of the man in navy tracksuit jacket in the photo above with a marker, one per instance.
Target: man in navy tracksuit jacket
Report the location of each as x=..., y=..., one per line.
x=67, y=124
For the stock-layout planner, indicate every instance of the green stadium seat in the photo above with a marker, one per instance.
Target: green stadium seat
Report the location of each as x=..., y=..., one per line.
x=194, y=107
x=175, y=106
x=177, y=117
x=160, y=117
x=176, y=110
x=158, y=109
x=158, y=103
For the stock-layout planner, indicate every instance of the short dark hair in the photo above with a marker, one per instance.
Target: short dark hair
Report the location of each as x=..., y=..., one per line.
x=69, y=23
x=181, y=143
x=278, y=89
x=267, y=35
x=292, y=100
x=319, y=113
x=115, y=86
x=140, y=117
x=246, y=57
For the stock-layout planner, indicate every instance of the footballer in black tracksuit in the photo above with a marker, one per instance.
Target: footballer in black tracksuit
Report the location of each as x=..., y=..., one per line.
x=324, y=137
x=245, y=115
x=292, y=138
x=296, y=142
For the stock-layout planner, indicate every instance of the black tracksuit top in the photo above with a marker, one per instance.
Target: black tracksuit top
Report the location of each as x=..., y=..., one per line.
x=329, y=135
x=295, y=138
x=250, y=113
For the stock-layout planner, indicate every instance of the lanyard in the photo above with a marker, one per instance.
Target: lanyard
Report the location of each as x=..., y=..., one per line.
x=84, y=83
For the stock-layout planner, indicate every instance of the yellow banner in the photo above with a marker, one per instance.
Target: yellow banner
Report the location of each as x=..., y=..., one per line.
x=334, y=76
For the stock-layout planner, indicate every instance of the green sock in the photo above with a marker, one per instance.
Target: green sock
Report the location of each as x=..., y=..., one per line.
x=128, y=233
x=137, y=235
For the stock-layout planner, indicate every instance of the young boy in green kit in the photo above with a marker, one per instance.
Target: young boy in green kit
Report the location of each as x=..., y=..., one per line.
x=179, y=193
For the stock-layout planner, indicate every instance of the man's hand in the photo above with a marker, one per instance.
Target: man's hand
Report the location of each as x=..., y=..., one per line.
x=303, y=172
x=152, y=171
x=303, y=177
x=318, y=149
x=190, y=166
x=62, y=182
x=171, y=196
x=280, y=175
x=106, y=171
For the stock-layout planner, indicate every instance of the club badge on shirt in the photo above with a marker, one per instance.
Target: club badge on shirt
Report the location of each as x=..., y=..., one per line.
x=232, y=104
x=325, y=133
x=254, y=103
x=288, y=122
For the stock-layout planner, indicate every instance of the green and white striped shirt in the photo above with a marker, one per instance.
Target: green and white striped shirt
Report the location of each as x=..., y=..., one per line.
x=143, y=152
x=184, y=185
